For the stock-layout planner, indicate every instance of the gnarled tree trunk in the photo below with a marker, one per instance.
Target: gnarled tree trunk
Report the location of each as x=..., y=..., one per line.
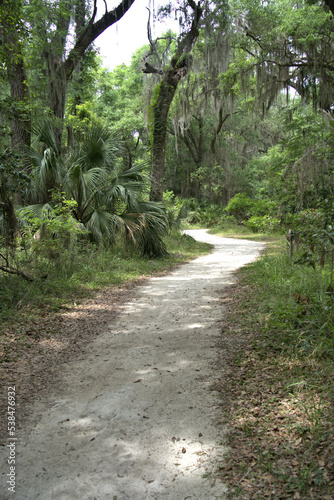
x=163, y=98
x=160, y=109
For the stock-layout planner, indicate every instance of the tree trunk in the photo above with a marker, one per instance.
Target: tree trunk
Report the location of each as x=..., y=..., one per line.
x=194, y=144
x=160, y=109
x=19, y=93
x=163, y=97
x=17, y=79
x=60, y=71
x=57, y=93
x=9, y=222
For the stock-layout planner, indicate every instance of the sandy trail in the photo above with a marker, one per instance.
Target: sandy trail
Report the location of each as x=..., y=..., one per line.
x=136, y=418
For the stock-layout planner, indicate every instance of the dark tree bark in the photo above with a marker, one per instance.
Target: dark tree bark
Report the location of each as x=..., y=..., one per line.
x=216, y=156
x=19, y=93
x=221, y=122
x=60, y=70
x=194, y=141
x=8, y=215
x=17, y=78
x=163, y=97
x=77, y=80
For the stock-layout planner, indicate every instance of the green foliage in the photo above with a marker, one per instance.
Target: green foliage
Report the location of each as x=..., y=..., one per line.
x=297, y=306
x=107, y=202
x=51, y=228
x=263, y=224
x=83, y=120
x=197, y=212
x=240, y=206
x=119, y=103
x=317, y=233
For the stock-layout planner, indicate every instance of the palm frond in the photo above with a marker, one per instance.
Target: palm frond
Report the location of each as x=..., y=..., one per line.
x=45, y=133
x=100, y=225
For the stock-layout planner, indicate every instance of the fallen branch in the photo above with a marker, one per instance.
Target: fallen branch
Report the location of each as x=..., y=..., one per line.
x=12, y=270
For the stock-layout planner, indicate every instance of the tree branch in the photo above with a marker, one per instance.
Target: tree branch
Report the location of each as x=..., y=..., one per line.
x=188, y=41
x=150, y=69
x=12, y=270
x=221, y=122
x=92, y=31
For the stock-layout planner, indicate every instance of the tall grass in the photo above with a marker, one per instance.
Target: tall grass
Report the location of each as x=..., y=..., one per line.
x=297, y=306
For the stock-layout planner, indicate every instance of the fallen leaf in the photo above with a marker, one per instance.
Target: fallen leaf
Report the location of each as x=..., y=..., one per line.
x=65, y=420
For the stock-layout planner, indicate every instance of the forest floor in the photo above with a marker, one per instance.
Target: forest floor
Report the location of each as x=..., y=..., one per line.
x=127, y=400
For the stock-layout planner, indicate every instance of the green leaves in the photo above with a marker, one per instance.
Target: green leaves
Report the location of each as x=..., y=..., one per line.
x=106, y=201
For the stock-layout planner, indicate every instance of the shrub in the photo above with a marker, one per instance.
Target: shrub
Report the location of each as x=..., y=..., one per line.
x=265, y=224
x=243, y=208
x=240, y=206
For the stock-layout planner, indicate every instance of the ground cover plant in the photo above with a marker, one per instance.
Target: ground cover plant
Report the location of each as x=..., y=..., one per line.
x=277, y=381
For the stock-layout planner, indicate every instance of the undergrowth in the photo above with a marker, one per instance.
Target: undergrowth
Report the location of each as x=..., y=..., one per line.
x=280, y=388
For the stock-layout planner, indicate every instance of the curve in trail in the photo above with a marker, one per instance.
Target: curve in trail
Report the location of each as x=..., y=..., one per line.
x=136, y=418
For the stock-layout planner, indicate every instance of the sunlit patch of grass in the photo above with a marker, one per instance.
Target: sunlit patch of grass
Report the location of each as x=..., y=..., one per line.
x=241, y=232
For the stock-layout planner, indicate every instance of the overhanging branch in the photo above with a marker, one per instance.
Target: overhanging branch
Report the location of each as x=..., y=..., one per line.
x=92, y=31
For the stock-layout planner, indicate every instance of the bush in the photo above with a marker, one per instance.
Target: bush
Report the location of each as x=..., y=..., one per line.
x=192, y=211
x=315, y=227
x=265, y=224
x=263, y=207
x=240, y=206
x=243, y=208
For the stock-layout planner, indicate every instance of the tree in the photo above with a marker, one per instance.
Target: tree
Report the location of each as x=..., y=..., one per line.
x=60, y=69
x=290, y=46
x=164, y=92
x=107, y=201
x=53, y=34
x=12, y=33
x=119, y=102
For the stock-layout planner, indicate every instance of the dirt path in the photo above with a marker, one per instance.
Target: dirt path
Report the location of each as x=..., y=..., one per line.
x=136, y=419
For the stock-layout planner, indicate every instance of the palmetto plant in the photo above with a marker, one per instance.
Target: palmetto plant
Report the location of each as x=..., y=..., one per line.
x=108, y=202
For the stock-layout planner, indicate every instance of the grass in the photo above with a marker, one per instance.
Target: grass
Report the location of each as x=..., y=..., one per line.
x=278, y=351
x=280, y=393
x=229, y=230
x=78, y=275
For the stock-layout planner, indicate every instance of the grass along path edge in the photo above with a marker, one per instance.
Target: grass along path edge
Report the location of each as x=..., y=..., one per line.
x=277, y=400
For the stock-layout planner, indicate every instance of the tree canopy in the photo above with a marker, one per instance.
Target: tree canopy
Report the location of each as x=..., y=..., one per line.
x=240, y=100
